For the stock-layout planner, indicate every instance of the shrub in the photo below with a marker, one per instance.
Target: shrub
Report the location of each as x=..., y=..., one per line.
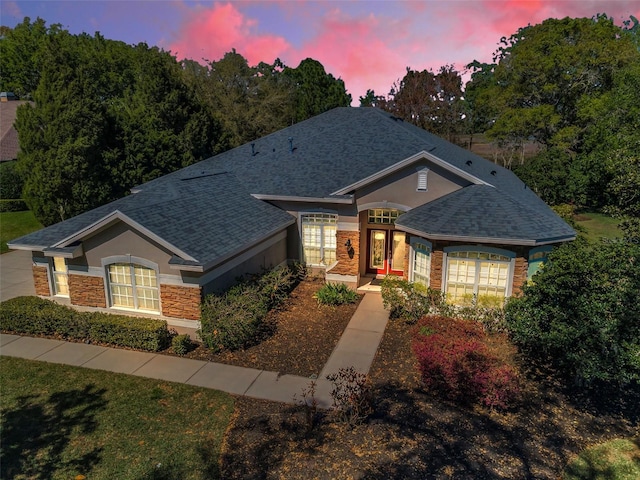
x=36, y=316
x=13, y=205
x=181, y=344
x=336, y=294
x=454, y=359
x=351, y=395
x=276, y=285
x=581, y=313
x=11, y=182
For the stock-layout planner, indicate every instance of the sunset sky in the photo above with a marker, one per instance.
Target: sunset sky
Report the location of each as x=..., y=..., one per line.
x=368, y=44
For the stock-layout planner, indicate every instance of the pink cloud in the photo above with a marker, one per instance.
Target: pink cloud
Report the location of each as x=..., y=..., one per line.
x=210, y=33
x=11, y=8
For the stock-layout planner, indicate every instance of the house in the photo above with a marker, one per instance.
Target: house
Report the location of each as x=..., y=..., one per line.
x=9, y=145
x=354, y=192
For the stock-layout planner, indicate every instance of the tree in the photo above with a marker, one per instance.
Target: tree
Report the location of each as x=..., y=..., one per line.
x=106, y=117
x=429, y=100
x=315, y=90
x=544, y=71
x=370, y=99
x=581, y=312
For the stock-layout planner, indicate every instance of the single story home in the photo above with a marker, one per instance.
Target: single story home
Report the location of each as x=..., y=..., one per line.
x=355, y=193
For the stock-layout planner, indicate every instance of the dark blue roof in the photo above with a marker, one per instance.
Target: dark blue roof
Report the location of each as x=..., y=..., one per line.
x=315, y=159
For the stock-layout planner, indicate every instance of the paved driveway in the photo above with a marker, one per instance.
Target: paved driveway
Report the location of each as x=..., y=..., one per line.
x=16, y=277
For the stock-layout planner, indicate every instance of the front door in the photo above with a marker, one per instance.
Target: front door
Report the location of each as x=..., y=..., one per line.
x=386, y=252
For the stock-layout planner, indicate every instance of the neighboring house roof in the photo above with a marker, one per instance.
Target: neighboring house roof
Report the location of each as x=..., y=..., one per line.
x=323, y=159
x=9, y=145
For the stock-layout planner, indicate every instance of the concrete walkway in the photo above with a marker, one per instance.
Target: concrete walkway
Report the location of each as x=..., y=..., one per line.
x=357, y=347
x=16, y=277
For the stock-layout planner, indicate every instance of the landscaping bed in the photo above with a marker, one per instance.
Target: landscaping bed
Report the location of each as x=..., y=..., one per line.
x=299, y=335
x=415, y=434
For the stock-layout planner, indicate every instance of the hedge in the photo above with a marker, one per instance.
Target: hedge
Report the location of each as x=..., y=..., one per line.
x=37, y=316
x=13, y=205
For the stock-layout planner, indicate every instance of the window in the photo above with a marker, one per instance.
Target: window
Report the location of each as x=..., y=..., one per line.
x=319, y=232
x=422, y=180
x=133, y=286
x=537, y=257
x=480, y=274
x=383, y=216
x=421, y=261
x=60, y=278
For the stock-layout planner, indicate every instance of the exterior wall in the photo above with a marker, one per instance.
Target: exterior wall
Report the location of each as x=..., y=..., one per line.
x=87, y=291
x=180, y=302
x=401, y=187
x=41, y=281
x=348, y=259
x=519, y=275
x=119, y=239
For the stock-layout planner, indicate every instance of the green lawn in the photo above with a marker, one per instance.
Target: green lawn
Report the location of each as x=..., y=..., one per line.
x=598, y=225
x=59, y=422
x=14, y=225
x=617, y=459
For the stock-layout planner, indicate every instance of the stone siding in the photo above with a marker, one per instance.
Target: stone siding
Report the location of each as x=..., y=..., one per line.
x=87, y=291
x=41, y=281
x=348, y=259
x=180, y=302
x=519, y=276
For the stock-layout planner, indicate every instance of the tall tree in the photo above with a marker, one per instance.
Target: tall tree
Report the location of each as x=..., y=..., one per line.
x=432, y=101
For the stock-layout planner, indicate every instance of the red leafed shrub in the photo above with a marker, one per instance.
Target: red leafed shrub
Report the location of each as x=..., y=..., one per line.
x=454, y=359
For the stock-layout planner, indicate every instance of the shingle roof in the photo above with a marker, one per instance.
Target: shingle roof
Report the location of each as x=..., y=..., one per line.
x=208, y=217
x=484, y=213
x=9, y=145
x=315, y=159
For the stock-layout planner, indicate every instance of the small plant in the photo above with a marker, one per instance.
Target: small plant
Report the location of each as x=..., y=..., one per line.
x=454, y=359
x=181, y=344
x=335, y=294
x=309, y=403
x=351, y=395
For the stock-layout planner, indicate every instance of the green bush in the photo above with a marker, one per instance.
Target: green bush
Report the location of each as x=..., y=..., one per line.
x=13, y=205
x=181, y=344
x=37, y=316
x=581, y=312
x=336, y=294
x=235, y=319
x=11, y=182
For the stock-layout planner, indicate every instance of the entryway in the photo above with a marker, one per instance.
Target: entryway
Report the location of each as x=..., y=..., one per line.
x=385, y=252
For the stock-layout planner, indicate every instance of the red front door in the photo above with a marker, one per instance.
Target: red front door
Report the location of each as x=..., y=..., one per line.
x=386, y=252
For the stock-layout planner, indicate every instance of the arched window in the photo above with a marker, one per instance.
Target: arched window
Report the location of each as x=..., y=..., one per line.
x=133, y=286
x=319, y=232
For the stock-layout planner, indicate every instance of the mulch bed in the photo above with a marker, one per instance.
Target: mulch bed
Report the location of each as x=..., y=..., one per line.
x=414, y=434
x=302, y=335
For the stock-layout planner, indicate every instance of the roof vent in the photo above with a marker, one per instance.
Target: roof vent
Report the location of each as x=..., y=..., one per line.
x=469, y=162
x=203, y=174
x=290, y=144
x=253, y=150
x=493, y=172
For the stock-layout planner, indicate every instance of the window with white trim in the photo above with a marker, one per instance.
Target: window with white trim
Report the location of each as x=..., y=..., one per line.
x=420, y=261
x=319, y=232
x=422, y=180
x=60, y=277
x=133, y=286
x=537, y=257
x=477, y=274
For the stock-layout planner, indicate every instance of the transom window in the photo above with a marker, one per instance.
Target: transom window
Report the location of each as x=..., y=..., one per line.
x=421, y=263
x=319, y=231
x=133, y=286
x=60, y=277
x=383, y=216
x=477, y=274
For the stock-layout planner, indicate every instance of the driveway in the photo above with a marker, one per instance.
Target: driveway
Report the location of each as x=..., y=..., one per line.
x=16, y=276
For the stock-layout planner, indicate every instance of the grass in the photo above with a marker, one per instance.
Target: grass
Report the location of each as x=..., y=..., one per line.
x=62, y=422
x=14, y=225
x=599, y=225
x=617, y=459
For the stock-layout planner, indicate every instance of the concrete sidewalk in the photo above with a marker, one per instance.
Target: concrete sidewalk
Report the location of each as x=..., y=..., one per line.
x=16, y=277
x=357, y=347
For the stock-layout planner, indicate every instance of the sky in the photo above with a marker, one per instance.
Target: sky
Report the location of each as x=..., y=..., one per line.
x=367, y=43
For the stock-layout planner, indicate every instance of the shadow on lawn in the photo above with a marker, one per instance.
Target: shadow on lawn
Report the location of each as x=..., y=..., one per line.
x=36, y=433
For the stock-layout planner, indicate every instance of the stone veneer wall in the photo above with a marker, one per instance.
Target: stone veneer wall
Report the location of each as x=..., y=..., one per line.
x=41, y=281
x=348, y=261
x=519, y=276
x=180, y=302
x=87, y=291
